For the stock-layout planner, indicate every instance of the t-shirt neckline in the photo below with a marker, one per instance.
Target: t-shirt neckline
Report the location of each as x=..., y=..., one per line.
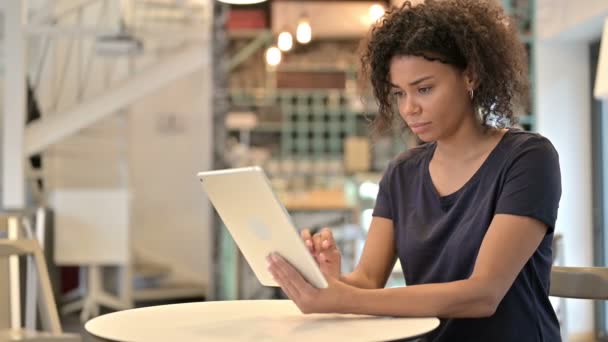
x=448, y=199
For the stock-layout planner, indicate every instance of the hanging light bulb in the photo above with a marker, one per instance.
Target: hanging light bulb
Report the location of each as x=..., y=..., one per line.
x=304, y=31
x=285, y=41
x=376, y=12
x=273, y=56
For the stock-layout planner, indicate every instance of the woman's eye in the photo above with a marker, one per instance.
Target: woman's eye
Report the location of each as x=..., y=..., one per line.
x=424, y=90
x=398, y=93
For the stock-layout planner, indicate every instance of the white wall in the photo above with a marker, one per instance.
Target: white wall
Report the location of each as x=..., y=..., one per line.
x=563, y=116
x=563, y=92
x=170, y=216
x=568, y=20
x=95, y=157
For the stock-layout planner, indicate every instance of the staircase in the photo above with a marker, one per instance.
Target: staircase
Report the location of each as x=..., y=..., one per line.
x=82, y=124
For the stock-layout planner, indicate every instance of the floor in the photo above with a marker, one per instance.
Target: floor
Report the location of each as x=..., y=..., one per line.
x=71, y=323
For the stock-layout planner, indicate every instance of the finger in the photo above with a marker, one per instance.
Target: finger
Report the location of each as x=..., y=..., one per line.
x=291, y=291
x=316, y=239
x=301, y=288
x=306, y=234
x=327, y=239
x=307, y=238
x=287, y=286
x=303, y=292
x=281, y=282
x=297, y=282
x=281, y=279
x=327, y=257
x=323, y=257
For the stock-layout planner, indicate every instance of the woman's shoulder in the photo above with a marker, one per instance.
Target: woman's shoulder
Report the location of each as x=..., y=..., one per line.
x=411, y=158
x=519, y=141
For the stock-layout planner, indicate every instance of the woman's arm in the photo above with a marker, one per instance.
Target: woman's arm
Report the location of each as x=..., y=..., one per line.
x=507, y=246
x=509, y=243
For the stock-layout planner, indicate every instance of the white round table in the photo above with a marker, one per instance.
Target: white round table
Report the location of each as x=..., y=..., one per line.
x=253, y=320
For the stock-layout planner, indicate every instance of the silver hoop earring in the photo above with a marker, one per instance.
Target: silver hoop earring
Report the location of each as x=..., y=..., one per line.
x=471, y=94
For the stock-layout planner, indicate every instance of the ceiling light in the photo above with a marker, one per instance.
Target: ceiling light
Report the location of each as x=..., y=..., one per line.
x=273, y=56
x=285, y=41
x=376, y=12
x=304, y=31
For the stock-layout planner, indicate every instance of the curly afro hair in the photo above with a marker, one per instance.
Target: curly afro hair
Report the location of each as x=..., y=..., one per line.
x=473, y=34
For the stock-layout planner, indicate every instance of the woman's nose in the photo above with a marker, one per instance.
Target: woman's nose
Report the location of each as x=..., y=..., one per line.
x=408, y=106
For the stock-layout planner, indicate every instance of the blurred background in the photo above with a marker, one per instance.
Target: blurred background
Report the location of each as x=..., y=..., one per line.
x=110, y=108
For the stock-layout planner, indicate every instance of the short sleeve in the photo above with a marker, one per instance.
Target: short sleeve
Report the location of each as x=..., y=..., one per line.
x=383, y=207
x=532, y=185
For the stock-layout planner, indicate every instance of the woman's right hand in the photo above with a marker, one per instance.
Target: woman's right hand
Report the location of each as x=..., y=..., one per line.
x=323, y=248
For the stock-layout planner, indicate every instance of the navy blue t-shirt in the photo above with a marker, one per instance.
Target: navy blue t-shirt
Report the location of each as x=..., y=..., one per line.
x=437, y=238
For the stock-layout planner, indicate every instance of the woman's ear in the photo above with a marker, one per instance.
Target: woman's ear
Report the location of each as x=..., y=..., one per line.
x=470, y=78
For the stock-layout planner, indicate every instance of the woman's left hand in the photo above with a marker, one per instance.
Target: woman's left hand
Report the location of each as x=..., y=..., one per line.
x=308, y=298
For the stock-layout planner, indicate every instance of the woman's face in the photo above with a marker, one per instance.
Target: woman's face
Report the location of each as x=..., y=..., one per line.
x=432, y=97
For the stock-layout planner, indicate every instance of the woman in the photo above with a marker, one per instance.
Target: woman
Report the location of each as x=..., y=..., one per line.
x=470, y=213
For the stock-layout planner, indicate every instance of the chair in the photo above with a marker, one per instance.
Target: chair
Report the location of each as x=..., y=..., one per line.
x=579, y=282
x=14, y=247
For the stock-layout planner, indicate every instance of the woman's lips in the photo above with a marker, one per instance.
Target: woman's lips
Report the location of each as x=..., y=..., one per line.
x=420, y=127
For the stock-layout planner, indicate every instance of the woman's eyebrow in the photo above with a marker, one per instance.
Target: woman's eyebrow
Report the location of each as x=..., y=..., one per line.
x=421, y=79
x=413, y=83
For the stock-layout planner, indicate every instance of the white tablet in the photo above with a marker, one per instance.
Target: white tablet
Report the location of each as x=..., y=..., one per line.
x=258, y=222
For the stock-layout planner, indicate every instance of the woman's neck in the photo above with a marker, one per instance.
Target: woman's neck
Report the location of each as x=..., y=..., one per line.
x=467, y=142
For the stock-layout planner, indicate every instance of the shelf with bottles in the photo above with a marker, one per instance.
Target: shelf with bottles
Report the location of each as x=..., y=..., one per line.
x=307, y=123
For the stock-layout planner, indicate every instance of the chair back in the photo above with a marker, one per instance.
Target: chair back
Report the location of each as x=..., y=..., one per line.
x=579, y=282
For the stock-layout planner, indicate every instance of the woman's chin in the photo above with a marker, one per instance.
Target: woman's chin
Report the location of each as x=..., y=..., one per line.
x=425, y=137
